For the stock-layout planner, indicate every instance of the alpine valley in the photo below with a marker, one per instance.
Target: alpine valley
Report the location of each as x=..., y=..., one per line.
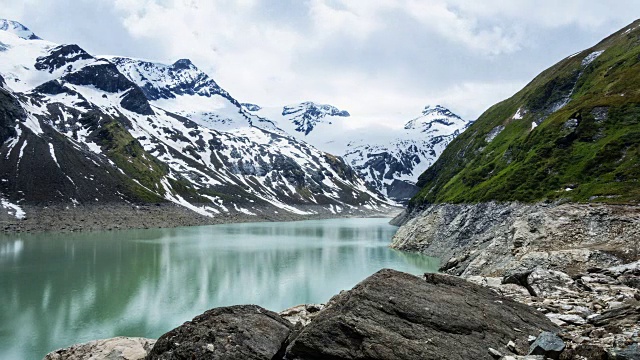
x=80, y=130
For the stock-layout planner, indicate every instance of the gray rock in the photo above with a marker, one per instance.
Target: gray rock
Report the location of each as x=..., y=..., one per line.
x=235, y=332
x=629, y=353
x=301, y=314
x=119, y=348
x=546, y=283
x=572, y=319
x=548, y=344
x=495, y=353
x=627, y=313
x=502, y=238
x=393, y=315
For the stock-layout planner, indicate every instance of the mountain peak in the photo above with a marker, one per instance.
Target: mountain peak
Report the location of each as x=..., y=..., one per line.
x=314, y=109
x=433, y=115
x=18, y=29
x=183, y=64
x=437, y=110
x=305, y=116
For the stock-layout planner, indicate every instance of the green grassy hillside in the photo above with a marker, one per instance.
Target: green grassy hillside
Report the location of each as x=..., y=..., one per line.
x=573, y=132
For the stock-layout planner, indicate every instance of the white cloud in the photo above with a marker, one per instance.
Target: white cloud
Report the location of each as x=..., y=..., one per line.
x=381, y=60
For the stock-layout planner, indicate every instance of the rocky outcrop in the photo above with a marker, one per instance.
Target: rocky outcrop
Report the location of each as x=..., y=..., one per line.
x=235, y=332
x=393, y=315
x=599, y=315
x=492, y=239
x=120, y=348
x=390, y=315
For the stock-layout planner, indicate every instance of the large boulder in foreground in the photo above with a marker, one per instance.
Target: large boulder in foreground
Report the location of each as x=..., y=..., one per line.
x=119, y=348
x=235, y=332
x=393, y=315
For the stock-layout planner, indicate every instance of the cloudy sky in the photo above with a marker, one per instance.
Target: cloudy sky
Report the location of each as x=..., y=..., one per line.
x=383, y=60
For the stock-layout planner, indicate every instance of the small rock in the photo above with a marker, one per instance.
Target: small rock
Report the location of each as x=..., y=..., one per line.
x=511, y=346
x=555, y=318
x=572, y=319
x=495, y=353
x=598, y=333
x=547, y=344
x=120, y=348
x=615, y=304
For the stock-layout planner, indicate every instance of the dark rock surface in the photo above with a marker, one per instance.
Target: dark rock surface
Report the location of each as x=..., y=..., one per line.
x=393, y=315
x=629, y=353
x=235, y=332
x=61, y=56
x=548, y=344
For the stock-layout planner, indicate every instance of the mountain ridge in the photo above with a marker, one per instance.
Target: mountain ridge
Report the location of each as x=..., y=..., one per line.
x=107, y=136
x=569, y=134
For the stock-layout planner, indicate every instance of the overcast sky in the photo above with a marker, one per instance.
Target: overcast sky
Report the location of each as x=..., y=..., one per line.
x=382, y=60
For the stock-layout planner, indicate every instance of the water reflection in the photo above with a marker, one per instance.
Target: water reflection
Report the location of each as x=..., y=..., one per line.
x=62, y=289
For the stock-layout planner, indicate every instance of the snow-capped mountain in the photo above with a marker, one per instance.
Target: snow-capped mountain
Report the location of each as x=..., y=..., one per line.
x=393, y=165
x=389, y=160
x=17, y=29
x=185, y=90
x=307, y=115
x=119, y=130
x=300, y=120
x=310, y=122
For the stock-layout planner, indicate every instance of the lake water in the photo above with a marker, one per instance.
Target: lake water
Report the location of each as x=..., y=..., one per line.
x=61, y=289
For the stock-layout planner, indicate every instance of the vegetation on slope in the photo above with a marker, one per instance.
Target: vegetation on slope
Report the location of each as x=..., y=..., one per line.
x=572, y=133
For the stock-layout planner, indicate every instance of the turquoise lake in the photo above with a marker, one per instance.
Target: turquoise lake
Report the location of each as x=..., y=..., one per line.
x=60, y=289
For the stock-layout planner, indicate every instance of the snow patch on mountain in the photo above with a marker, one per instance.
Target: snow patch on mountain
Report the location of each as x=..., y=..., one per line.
x=12, y=209
x=17, y=29
x=185, y=90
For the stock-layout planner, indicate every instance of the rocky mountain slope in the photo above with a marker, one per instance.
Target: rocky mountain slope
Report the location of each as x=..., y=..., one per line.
x=571, y=133
x=390, y=162
x=393, y=165
x=80, y=130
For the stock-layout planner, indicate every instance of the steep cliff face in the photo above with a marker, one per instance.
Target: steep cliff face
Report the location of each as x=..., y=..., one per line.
x=491, y=239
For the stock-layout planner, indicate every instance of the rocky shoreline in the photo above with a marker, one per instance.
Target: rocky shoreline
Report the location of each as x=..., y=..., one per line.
x=393, y=315
x=598, y=311
x=491, y=239
x=390, y=315
x=69, y=218
x=576, y=263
